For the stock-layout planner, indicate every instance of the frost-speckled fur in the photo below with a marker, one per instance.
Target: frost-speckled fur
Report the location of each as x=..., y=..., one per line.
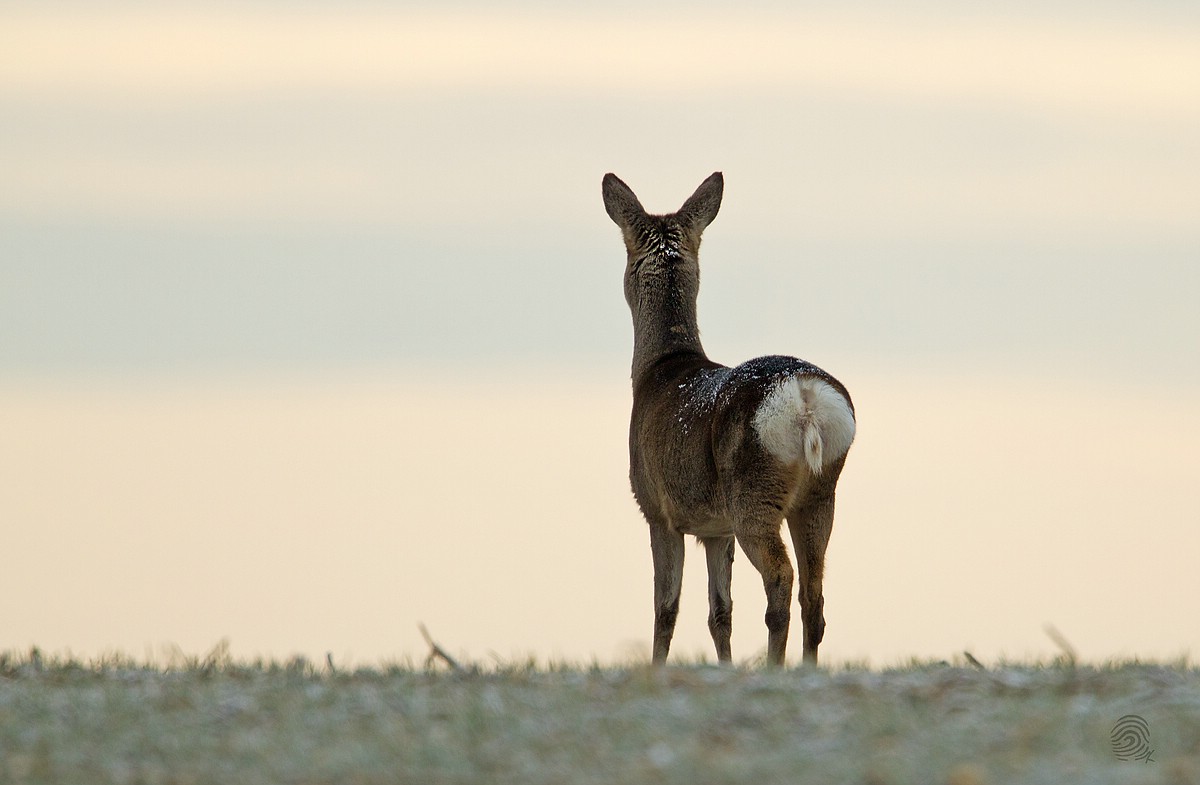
x=723, y=453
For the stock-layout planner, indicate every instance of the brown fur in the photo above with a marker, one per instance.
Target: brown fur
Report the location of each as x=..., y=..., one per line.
x=696, y=463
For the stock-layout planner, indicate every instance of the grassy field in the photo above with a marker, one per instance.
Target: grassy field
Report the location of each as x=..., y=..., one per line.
x=216, y=721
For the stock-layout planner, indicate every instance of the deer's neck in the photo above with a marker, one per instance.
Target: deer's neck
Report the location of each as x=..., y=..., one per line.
x=664, y=326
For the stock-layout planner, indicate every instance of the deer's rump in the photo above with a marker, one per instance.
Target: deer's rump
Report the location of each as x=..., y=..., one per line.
x=715, y=432
x=797, y=410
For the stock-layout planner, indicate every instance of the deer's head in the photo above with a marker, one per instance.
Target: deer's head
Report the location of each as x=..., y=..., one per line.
x=662, y=266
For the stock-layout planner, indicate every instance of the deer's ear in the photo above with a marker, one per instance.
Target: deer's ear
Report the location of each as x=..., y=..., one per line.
x=701, y=207
x=620, y=202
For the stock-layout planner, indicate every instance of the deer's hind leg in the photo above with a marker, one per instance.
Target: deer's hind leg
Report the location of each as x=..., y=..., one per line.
x=810, y=525
x=666, y=547
x=760, y=539
x=719, y=551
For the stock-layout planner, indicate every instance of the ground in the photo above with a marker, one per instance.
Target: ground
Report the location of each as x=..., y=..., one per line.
x=217, y=721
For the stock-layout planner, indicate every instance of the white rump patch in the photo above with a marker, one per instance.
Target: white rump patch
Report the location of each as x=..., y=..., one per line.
x=805, y=416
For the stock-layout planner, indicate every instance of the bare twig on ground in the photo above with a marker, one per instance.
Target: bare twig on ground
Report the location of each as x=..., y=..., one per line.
x=1065, y=645
x=971, y=659
x=437, y=652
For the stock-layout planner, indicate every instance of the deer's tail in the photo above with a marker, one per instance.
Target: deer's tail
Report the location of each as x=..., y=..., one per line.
x=805, y=417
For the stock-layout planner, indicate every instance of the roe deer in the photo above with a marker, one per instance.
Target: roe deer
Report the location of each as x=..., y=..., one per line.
x=723, y=453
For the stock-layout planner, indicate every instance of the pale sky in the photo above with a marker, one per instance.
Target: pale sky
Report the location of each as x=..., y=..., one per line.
x=311, y=323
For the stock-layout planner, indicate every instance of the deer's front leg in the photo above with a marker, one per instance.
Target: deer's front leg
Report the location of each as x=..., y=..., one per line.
x=719, y=551
x=666, y=546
